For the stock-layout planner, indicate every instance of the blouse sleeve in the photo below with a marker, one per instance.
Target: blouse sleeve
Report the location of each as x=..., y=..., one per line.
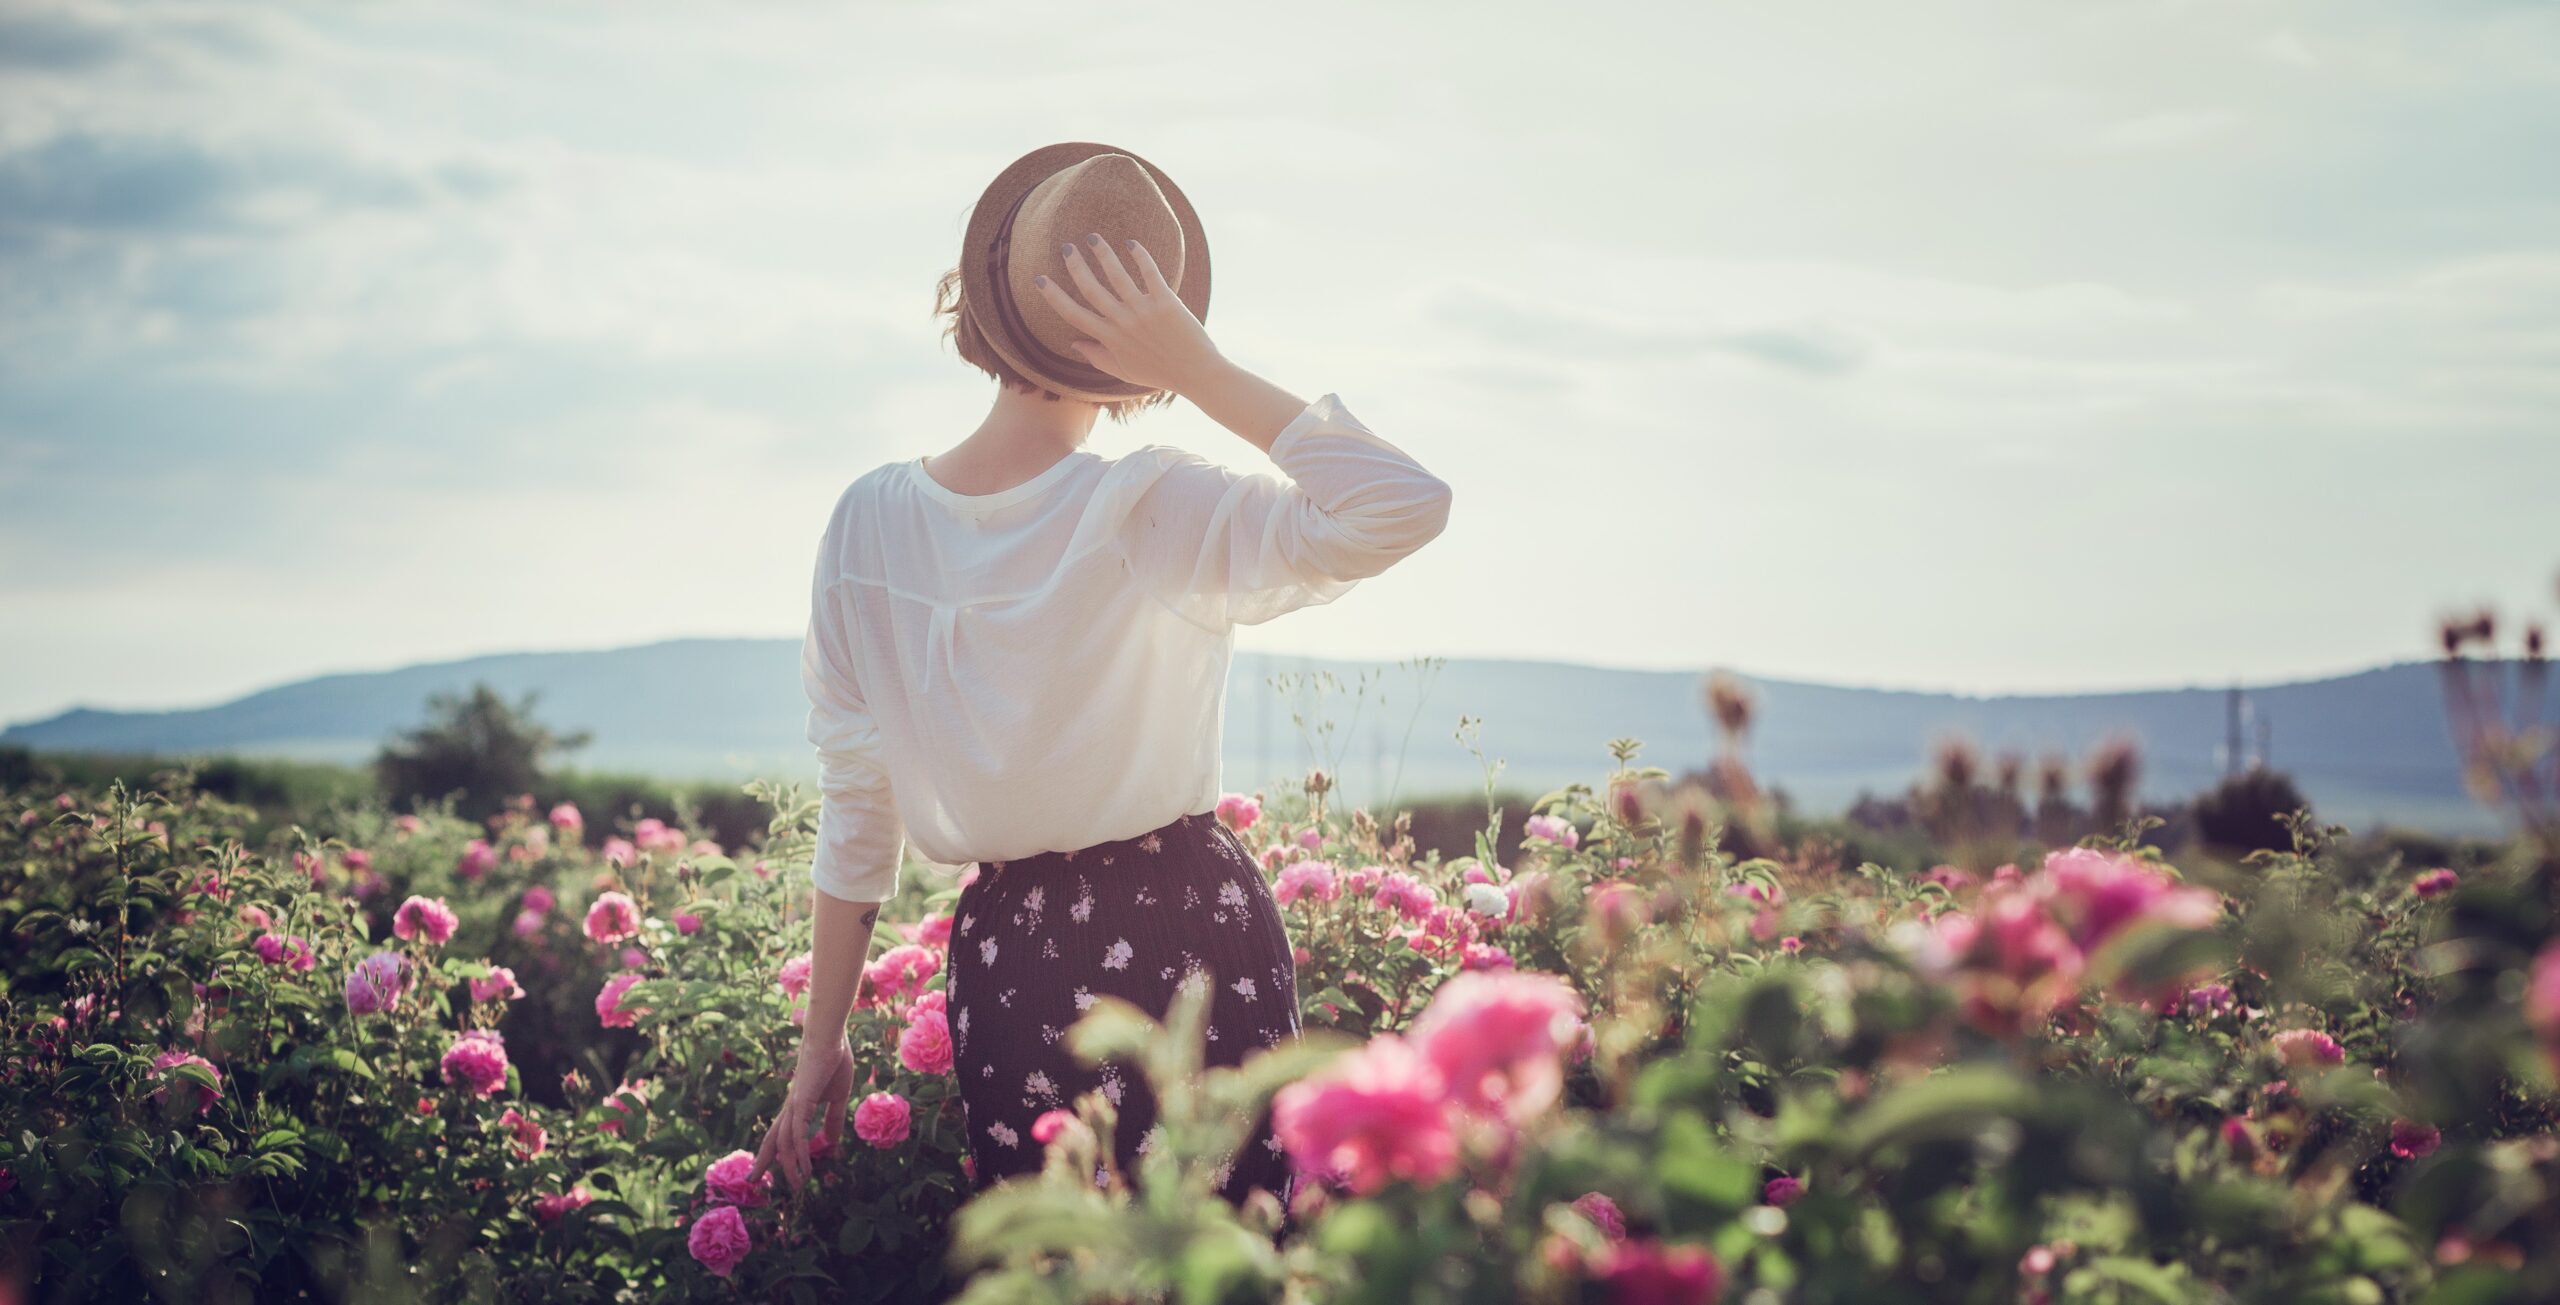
x=1224, y=548
x=860, y=838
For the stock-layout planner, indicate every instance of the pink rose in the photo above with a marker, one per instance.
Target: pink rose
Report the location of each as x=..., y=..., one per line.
x=2435, y=883
x=1614, y=909
x=1311, y=879
x=1238, y=812
x=623, y=1105
x=1373, y=1116
x=530, y=1141
x=203, y=1096
x=290, y=950
x=655, y=835
x=539, y=900
x=1652, y=1273
x=421, y=917
x=719, y=1239
x=1497, y=1038
x=613, y=918
x=478, y=859
x=2411, y=1139
x=619, y=851
x=882, y=1119
x=1409, y=896
x=1782, y=1191
x=1049, y=1124
x=2542, y=995
x=528, y=923
x=901, y=971
x=925, y=1045
x=477, y=1061
x=375, y=983
x=1554, y=829
x=500, y=983
x=1603, y=1214
x=566, y=819
x=2095, y=895
x=609, y=1007
x=727, y=1180
x=794, y=978
x=549, y=1208
x=687, y=923
x=2303, y=1047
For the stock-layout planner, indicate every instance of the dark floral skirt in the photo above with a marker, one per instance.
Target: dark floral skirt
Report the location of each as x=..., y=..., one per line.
x=1038, y=939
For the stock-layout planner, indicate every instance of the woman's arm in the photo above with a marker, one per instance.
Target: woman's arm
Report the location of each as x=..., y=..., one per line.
x=840, y=949
x=822, y=1077
x=1235, y=398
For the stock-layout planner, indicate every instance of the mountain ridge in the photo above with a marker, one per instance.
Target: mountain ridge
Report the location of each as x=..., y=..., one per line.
x=2368, y=745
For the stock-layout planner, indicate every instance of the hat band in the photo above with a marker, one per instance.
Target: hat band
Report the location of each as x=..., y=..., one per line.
x=1008, y=316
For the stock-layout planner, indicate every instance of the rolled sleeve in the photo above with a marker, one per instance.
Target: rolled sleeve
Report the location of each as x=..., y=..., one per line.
x=861, y=840
x=1232, y=549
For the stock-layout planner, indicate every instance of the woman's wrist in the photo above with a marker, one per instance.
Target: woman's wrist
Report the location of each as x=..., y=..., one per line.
x=1206, y=375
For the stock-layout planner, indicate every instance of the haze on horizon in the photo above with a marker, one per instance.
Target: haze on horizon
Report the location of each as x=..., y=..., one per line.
x=1988, y=347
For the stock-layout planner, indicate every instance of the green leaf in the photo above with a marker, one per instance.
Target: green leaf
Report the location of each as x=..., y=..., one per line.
x=1950, y=1106
x=856, y=1235
x=1219, y=1264
x=1691, y=1164
x=1113, y=1028
x=2167, y=1284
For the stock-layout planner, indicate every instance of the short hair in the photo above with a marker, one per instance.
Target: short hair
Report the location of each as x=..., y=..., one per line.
x=950, y=298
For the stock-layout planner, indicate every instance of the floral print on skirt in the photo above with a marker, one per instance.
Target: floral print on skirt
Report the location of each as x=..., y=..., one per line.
x=1038, y=939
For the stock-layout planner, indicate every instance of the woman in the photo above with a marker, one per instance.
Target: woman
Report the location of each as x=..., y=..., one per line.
x=1017, y=656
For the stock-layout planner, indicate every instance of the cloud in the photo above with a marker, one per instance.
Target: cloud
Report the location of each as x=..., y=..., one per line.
x=2168, y=130
x=57, y=41
x=1812, y=348
x=90, y=183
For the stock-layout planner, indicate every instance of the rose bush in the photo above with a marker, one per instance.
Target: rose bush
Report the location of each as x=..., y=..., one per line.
x=1627, y=1066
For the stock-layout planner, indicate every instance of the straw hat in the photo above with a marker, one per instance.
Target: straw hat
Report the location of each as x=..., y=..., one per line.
x=1059, y=194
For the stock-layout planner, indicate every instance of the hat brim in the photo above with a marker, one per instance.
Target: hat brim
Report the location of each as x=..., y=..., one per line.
x=977, y=280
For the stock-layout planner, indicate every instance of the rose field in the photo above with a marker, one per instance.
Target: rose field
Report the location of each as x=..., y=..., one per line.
x=1667, y=1050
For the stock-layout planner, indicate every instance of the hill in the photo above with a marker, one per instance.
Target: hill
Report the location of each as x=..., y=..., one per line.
x=2367, y=748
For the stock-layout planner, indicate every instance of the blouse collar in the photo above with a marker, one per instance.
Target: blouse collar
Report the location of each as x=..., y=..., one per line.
x=941, y=493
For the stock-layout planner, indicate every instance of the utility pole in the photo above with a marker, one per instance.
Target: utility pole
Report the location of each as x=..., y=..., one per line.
x=2233, y=757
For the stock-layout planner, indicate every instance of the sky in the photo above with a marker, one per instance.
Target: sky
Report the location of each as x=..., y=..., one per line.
x=1995, y=347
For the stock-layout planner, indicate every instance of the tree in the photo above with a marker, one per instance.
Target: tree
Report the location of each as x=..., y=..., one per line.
x=475, y=747
x=2245, y=812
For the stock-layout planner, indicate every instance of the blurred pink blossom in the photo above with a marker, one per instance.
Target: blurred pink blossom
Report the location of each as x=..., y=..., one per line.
x=1374, y=1115
x=422, y=917
x=613, y=918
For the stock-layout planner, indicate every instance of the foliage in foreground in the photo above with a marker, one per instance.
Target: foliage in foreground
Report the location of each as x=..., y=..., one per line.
x=1627, y=1065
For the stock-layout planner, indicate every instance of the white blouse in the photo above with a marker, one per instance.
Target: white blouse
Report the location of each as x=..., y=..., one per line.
x=1045, y=667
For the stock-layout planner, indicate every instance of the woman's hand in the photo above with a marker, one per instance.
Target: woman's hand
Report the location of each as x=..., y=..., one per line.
x=821, y=1082
x=1142, y=331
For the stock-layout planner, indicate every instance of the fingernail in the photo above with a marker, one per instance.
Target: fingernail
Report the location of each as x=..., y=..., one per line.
x=1066, y=251
x=1130, y=245
x=1095, y=239
x=1040, y=281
